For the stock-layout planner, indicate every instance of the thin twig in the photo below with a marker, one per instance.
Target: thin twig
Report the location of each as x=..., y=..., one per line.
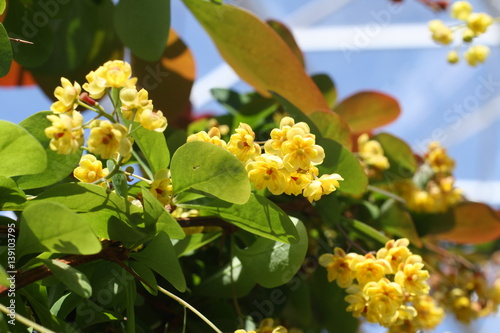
x=190, y=307
x=25, y=321
x=349, y=240
x=20, y=41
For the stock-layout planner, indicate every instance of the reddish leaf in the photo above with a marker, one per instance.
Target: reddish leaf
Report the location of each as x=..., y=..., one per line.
x=169, y=80
x=474, y=223
x=288, y=38
x=367, y=110
x=258, y=54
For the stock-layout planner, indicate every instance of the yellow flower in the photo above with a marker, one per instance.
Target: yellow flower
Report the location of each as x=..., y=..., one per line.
x=66, y=133
x=337, y=266
x=468, y=35
x=477, y=54
x=153, y=121
x=413, y=277
x=242, y=143
x=113, y=74
x=213, y=136
x=395, y=252
x=297, y=181
x=300, y=152
x=267, y=171
x=441, y=33
x=89, y=169
x=325, y=185
x=357, y=301
x=269, y=326
x=460, y=10
x=161, y=187
x=479, y=22
x=453, y=57
x=107, y=139
x=134, y=103
x=438, y=159
x=368, y=269
x=67, y=97
x=385, y=299
x=429, y=315
x=372, y=153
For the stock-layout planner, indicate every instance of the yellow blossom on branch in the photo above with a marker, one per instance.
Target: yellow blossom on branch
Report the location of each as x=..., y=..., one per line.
x=460, y=10
x=67, y=96
x=213, y=136
x=441, y=33
x=267, y=171
x=134, y=103
x=161, y=188
x=113, y=74
x=324, y=185
x=107, y=139
x=477, y=54
x=153, y=121
x=337, y=266
x=242, y=143
x=89, y=169
x=385, y=299
x=65, y=133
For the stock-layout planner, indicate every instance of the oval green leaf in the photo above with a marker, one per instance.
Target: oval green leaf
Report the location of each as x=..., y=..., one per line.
x=75, y=280
x=257, y=53
x=284, y=32
x=272, y=263
x=401, y=158
x=59, y=166
x=160, y=256
x=367, y=110
x=20, y=152
x=156, y=215
x=396, y=220
x=154, y=147
x=327, y=87
x=52, y=227
x=211, y=169
x=10, y=192
x=143, y=26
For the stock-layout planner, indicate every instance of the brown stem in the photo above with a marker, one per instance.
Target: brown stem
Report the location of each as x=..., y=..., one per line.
x=110, y=253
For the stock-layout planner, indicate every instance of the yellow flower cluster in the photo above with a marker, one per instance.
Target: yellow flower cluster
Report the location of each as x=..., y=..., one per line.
x=385, y=287
x=161, y=188
x=90, y=169
x=107, y=137
x=372, y=156
x=266, y=326
x=473, y=25
x=439, y=193
x=288, y=164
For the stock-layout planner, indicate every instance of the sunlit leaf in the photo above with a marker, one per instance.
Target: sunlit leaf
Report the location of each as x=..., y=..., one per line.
x=20, y=152
x=5, y=51
x=257, y=54
x=156, y=215
x=143, y=26
x=75, y=280
x=367, y=110
x=52, y=227
x=287, y=36
x=154, y=147
x=474, y=223
x=10, y=192
x=211, y=169
x=401, y=158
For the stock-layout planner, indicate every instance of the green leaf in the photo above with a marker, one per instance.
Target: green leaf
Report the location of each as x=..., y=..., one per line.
x=259, y=216
x=231, y=281
x=20, y=152
x=195, y=241
x=395, y=219
x=5, y=49
x=230, y=99
x=10, y=192
x=257, y=54
x=340, y=160
x=211, y=169
x=75, y=280
x=327, y=87
x=3, y=4
x=160, y=256
x=119, y=180
x=400, y=156
x=156, y=215
x=51, y=227
x=147, y=275
x=272, y=263
x=143, y=26
x=3, y=277
x=367, y=110
x=65, y=305
x=59, y=165
x=154, y=147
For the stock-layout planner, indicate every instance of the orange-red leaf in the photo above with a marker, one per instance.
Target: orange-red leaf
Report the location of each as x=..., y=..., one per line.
x=288, y=38
x=367, y=110
x=474, y=223
x=257, y=54
x=169, y=80
x=17, y=76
